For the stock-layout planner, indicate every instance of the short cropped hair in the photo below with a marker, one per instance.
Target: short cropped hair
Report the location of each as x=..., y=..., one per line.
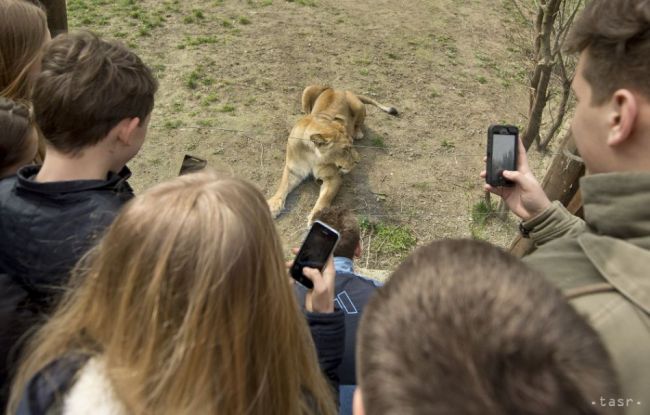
x=346, y=223
x=87, y=86
x=464, y=328
x=616, y=37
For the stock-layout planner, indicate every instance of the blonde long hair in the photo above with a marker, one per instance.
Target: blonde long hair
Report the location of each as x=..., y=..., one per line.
x=23, y=29
x=186, y=299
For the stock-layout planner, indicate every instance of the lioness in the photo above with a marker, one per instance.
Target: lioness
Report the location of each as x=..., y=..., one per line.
x=320, y=144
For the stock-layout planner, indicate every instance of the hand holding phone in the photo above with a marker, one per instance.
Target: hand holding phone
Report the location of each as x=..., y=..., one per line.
x=525, y=197
x=314, y=252
x=320, y=299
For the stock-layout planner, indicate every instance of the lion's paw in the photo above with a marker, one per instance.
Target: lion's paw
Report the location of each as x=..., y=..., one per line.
x=276, y=205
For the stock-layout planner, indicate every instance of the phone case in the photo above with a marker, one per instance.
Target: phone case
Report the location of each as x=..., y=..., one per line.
x=296, y=270
x=500, y=181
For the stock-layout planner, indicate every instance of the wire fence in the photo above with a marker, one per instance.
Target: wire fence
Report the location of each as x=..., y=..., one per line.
x=477, y=211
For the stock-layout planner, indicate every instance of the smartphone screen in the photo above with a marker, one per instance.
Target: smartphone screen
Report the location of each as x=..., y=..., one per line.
x=503, y=155
x=315, y=250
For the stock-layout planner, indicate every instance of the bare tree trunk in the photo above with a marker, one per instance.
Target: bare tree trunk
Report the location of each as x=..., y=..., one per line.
x=547, y=13
x=57, y=16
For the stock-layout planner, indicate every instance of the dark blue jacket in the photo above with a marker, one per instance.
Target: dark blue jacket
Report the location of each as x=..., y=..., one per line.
x=46, y=227
x=352, y=294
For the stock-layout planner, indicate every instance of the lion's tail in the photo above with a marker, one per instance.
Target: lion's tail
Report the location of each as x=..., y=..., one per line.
x=389, y=110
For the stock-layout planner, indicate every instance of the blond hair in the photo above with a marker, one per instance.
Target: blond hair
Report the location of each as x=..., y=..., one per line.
x=23, y=29
x=186, y=299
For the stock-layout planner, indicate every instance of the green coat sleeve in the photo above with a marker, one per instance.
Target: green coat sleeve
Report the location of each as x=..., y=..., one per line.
x=553, y=223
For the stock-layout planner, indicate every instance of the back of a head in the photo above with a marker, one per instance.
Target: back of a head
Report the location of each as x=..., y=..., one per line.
x=345, y=222
x=188, y=300
x=23, y=30
x=616, y=36
x=87, y=85
x=464, y=328
x=18, y=138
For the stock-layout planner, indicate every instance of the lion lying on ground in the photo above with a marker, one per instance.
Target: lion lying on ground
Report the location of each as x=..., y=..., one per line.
x=320, y=144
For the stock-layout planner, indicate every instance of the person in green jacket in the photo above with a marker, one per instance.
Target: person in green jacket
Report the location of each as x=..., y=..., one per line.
x=602, y=263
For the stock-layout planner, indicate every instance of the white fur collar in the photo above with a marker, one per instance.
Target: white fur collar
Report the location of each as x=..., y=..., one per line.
x=92, y=393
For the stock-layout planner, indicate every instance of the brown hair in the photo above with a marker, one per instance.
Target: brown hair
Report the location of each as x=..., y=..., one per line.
x=462, y=327
x=616, y=37
x=346, y=223
x=23, y=29
x=87, y=86
x=17, y=129
x=187, y=301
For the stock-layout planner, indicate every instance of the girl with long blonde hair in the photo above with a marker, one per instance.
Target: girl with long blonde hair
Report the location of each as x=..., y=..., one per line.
x=185, y=307
x=23, y=33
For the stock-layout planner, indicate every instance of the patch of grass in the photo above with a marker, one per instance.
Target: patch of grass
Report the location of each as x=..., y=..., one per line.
x=310, y=3
x=481, y=80
x=447, y=144
x=172, y=124
x=482, y=212
x=392, y=55
x=211, y=98
x=244, y=20
x=198, y=77
x=377, y=141
x=388, y=239
x=364, y=71
x=200, y=40
x=204, y=123
x=178, y=106
x=226, y=23
x=227, y=108
x=434, y=94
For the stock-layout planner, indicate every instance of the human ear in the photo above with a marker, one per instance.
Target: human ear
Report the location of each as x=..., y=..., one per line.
x=622, y=117
x=128, y=126
x=357, y=402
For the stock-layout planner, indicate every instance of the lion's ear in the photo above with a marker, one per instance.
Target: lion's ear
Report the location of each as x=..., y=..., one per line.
x=318, y=139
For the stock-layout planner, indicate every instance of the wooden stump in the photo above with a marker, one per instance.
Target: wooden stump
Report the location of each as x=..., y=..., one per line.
x=57, y=16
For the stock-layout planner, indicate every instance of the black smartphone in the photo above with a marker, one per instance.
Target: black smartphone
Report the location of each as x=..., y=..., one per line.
x=501, y=153
x=192, y=164
x=314, y=251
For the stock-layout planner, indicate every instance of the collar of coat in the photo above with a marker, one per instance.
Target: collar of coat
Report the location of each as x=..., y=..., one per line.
x=617, y=209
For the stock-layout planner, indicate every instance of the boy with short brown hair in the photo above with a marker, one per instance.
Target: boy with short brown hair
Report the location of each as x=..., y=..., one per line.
x=464, y=328
x=92, y=101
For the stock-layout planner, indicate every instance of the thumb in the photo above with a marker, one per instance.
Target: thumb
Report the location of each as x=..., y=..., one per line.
x=313, y=274
x=513, y=176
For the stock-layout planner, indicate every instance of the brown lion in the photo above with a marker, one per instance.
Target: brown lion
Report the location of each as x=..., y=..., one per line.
x=321, y=143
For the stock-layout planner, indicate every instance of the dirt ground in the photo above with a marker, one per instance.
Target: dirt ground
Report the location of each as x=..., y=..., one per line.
x=231, y=74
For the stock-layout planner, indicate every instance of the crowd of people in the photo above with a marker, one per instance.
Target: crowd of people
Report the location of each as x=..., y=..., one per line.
x=178, y=300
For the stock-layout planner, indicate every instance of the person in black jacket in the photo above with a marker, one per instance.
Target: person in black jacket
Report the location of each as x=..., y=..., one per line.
x=185, y=306
x=92, y=101
x=351, y=292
